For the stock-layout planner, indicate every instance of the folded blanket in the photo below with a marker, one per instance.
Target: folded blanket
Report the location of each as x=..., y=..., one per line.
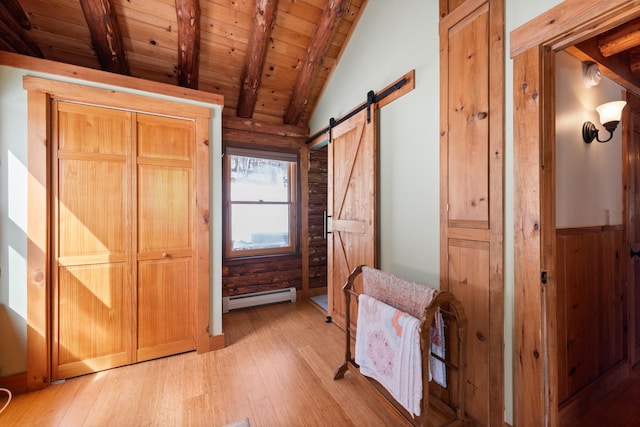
x=388, y=350
x=411, y=297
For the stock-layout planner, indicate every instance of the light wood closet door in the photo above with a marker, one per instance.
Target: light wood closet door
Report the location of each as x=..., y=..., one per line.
x=124, y=189
x=165, y=199
x=93, y=300
x=352, y=206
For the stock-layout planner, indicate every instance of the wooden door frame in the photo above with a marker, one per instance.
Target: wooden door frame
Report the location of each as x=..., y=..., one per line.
x=630, y=215
x=532, y=49
x=40, y=92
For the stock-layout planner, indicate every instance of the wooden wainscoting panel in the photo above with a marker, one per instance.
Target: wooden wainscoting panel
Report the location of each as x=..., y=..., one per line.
x=591, y=305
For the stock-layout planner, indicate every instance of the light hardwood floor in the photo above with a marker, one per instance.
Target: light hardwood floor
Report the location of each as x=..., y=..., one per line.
x=276, y=369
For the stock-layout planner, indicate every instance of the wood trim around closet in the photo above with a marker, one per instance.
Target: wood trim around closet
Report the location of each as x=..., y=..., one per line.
x=40, y=92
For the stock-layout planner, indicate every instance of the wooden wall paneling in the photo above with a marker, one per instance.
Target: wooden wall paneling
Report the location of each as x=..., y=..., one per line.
x=469, y=280
x=472, y=176
x=38, y=314
x=591, y=300
x=591, y=304
x=562, y=316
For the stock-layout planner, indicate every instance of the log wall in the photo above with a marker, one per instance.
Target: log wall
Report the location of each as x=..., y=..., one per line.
x=248, y=275
x=317, y=207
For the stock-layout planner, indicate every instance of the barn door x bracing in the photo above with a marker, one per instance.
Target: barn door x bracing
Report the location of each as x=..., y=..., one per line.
x=351, y=204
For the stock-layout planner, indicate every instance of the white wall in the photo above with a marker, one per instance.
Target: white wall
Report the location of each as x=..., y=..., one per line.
x=13, y=222
x=13, y=213
x=389, y=41
x=588, y=176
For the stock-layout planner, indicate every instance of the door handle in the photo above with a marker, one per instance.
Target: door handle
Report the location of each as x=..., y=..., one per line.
x=633, y=253
x=325, y=224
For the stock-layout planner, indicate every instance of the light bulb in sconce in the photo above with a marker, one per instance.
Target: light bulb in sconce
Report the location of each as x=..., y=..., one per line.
x=610, y=115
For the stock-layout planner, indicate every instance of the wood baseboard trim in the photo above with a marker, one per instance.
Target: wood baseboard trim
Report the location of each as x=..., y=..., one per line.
x=582, y=401
x=16, y=383
x=216, y=342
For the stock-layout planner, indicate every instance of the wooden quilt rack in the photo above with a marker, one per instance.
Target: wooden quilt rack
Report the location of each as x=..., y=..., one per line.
x=439, y=406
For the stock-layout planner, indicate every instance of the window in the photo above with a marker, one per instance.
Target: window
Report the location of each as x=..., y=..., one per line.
x=260, y=202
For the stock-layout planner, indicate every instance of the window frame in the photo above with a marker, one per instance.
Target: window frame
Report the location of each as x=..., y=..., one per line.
x=293, y=202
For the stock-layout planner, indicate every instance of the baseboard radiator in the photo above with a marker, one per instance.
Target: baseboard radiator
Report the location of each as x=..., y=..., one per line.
x=258, y=298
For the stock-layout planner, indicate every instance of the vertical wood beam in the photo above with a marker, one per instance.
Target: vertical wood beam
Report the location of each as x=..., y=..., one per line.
x=319, y=44
x=106, y=36
x=264, y=15
x=203, y=219
x=188, y=14
x=304, y=218
x=529, y=369
x=38, y=278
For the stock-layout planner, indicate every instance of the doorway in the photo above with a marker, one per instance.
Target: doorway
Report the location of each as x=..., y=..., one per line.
x=533, y=48
x=591, y=287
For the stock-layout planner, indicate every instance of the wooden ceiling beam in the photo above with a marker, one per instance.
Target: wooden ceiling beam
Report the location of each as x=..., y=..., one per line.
x=634, y=61
x=15, y=9
x=619, y=39
x=13, y=34
x=263, y=17
x=313, y=59
x=188, y=13
x=106, y=36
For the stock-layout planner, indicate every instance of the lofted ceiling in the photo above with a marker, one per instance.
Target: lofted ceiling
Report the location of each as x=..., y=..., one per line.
x=270, y=59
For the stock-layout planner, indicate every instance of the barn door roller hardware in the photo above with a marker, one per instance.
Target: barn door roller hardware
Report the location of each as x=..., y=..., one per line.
x=372, y=98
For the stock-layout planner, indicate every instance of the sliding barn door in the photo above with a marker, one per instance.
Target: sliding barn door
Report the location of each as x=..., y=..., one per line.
x=165, y=184
x=471, y=179
x=92, y=294
x=351, y=205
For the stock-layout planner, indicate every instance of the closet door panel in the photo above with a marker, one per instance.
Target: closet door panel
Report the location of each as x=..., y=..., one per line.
x=164, y=211
x=165, y=310
x=165, y=236
x=92, y=295
x=92, y=208
x=94, y=319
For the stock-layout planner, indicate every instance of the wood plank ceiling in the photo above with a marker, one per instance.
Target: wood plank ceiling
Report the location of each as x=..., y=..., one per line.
x=269, y=58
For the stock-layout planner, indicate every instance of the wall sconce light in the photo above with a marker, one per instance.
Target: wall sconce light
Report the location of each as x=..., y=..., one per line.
x=610, y=114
